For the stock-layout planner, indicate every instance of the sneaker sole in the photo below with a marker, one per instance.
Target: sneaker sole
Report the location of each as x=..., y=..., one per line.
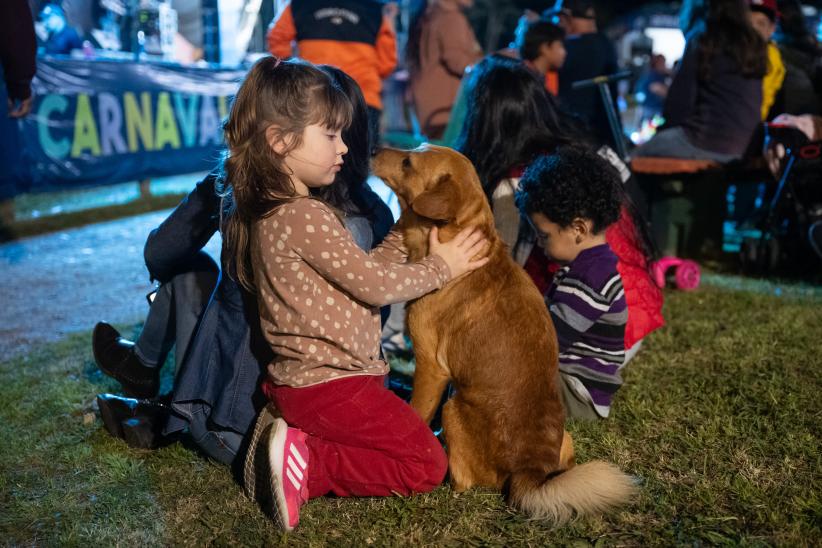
x=252, y=480
x=276, y=450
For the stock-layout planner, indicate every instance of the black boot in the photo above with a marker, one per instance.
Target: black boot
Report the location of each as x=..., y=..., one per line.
x=115, y=357
x=138, y=422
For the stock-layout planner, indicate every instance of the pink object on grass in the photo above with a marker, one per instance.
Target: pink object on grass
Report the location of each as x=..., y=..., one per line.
x=686, y=273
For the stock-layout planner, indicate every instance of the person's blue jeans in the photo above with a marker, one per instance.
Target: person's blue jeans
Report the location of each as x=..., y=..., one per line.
x=220, y=445
x=175, y=312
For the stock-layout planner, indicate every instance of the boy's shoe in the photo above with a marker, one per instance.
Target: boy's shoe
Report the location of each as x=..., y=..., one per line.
x=115, y=357
x=288, y=458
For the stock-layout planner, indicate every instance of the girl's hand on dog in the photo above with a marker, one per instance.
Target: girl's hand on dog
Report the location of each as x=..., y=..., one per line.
x=458, y=252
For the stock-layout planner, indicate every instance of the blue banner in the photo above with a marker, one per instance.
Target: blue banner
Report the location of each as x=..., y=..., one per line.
x=103, y=122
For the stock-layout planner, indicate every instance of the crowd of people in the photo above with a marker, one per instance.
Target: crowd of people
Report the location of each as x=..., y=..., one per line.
x=279, y=369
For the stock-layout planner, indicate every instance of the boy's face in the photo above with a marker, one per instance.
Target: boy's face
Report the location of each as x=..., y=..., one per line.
x=560, y=244
x=554, y=53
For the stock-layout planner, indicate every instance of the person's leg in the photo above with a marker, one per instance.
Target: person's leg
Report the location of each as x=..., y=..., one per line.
x=674, y=143
x=157, y=335
x=136, y=365
x=362, y=439
x=191, y=295
x=669, y=143
x=220, y=445
x=177, y=307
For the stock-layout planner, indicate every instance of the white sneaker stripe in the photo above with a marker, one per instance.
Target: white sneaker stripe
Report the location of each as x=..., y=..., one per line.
x=292, y=479
x=294, y=468
x=300, y=460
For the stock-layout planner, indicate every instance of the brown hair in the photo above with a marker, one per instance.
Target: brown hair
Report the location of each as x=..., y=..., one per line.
x=289, y=95
x=728, y=30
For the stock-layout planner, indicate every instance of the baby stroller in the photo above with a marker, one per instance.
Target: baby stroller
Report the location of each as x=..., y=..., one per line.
x=790, y=223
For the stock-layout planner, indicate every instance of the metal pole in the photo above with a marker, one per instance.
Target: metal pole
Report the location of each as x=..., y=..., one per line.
x=613, y=119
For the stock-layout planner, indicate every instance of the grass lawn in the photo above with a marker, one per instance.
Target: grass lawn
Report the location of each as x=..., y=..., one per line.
x=719, y=418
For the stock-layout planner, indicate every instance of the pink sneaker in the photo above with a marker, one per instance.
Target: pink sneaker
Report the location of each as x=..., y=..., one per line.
x=288, y=456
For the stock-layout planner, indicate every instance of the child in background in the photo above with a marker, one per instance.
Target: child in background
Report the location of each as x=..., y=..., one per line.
x=319, y=295
x=570, y=198
x=542, y=49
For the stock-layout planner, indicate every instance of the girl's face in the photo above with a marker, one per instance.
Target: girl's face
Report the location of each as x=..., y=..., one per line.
x=317, y=160
x=560, y=244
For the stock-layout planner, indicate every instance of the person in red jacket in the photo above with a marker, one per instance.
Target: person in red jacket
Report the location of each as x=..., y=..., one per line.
x=357, y=36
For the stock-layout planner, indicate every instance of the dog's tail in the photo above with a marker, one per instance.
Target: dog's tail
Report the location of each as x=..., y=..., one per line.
x=591, y=488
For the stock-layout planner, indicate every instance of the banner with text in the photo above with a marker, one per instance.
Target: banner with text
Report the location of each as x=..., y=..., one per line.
x=103, y=122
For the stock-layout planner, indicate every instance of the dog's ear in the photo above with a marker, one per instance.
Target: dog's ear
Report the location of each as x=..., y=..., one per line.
x=440, y=202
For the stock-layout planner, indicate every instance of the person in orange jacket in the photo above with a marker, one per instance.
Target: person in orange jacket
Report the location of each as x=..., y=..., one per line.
x=357, y=36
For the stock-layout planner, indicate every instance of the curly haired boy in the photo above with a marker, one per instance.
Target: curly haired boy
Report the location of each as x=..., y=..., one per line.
x=570, y=198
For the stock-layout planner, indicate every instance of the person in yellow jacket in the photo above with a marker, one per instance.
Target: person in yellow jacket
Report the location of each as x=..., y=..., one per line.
x=764, y=15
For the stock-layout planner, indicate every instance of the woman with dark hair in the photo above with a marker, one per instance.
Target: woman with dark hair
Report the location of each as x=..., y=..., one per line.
x=714, y=102
x=441, y=44
x=511, y=121
x=216, y=393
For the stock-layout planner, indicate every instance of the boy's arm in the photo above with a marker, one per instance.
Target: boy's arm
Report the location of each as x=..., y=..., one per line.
x=282, y=33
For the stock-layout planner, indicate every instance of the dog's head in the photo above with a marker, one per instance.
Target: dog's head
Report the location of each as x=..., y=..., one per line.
x=435, y=185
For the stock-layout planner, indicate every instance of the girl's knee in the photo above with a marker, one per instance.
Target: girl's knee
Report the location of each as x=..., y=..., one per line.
x=429, y=468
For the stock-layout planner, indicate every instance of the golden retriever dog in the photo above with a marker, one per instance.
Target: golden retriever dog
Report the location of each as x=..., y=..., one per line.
x=490, y=335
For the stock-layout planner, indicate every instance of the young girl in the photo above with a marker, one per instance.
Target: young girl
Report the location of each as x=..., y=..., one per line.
x=221, y=351
x=341, y=430
x=511, y=121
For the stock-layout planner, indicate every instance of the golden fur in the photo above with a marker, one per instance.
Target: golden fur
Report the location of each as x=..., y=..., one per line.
x=490, y=335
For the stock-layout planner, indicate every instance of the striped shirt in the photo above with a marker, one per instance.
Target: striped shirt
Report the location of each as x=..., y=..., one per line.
x=587, y=305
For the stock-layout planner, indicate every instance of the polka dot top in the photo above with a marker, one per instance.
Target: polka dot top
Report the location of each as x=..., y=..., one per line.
x=319, y=294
